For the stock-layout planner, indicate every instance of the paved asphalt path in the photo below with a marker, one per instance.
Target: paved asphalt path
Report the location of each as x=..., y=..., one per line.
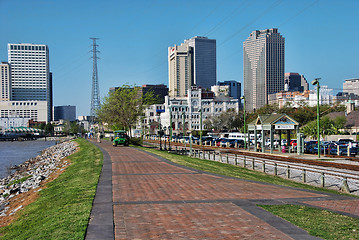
x=142, y=196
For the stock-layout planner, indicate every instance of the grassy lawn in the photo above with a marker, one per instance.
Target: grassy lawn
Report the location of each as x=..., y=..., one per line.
x=232, y=171
x=317, y=222
x=63, y=208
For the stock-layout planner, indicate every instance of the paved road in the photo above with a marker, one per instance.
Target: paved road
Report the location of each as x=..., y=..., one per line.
x=141, y=196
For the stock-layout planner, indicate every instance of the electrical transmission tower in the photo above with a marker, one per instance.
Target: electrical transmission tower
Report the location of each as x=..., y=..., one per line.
x=95, y=94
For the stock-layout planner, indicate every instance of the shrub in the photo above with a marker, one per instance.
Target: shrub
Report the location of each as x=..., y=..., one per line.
x=136, y=141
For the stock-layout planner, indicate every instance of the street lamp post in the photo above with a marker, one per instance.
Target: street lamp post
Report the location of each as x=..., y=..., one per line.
x=164, y=129
x=170, y=129
x=183, y=123
x=200, y=127
x=244, y=120
x=160, y=131
x=316, y=82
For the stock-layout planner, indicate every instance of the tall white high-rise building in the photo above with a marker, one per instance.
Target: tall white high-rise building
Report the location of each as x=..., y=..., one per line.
x=5, y=82
x=180, y=70
x=351, y=86
x=204, y=61
x=263, y=67
x=30, y=73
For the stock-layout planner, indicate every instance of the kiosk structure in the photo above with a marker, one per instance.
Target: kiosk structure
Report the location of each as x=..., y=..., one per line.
x=274, y=124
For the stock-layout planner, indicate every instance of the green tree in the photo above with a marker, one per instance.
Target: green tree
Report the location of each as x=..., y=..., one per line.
x=66, y=129
x=74, y=128
x=268, y=109
x=122, y=108
x=327, y=127
x=49, y=129
x=229, y=120
x=339, y=123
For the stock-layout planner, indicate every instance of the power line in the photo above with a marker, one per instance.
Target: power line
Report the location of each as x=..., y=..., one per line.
x=207, y=16
x=275, y=4
x=300, y=12
x=228, y=17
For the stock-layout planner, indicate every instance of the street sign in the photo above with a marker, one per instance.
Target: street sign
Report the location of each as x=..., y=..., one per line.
x=284, y=127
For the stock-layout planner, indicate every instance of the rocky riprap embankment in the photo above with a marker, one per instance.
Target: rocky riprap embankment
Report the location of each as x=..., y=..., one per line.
x=31, y=173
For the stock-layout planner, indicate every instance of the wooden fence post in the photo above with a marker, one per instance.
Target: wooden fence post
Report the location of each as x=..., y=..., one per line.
x=304, y=176
x=288, y=171
x=264, y=166
x=322, y=180
x=345, y=186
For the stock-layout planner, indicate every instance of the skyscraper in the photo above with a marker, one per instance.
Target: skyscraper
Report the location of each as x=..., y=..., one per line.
x=65, y=113
x=204, y=61
x=30, y=75
x=5, y=82
x=294, y=82
x=263, y=66
x=180, y=70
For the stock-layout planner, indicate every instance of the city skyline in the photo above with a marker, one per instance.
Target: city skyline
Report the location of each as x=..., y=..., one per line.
x=134, y=36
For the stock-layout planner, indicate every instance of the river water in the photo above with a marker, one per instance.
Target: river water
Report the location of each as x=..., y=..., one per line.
x=15, y=153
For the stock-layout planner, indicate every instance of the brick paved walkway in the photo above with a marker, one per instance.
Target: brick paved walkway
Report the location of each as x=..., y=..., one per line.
x=155, y=199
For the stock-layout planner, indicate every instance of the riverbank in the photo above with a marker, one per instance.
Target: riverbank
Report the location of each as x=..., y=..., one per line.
x=60, y=208
x=31, y=173
x=17, y=152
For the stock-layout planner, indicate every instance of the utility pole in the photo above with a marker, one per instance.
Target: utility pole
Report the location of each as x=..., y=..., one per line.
x=95, y=94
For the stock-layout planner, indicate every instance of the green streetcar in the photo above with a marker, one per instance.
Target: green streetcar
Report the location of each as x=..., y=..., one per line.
x=121, y=138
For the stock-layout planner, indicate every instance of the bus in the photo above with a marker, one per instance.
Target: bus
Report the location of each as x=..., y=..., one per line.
x=243, y=136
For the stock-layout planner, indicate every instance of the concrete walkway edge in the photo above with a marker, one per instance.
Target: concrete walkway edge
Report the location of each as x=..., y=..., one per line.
x=101, y=224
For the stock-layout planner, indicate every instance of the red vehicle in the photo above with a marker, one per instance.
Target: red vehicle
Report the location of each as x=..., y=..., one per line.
x=293, y=143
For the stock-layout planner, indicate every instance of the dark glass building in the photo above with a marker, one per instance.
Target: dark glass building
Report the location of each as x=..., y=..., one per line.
x=204, y=61
x=65, y=113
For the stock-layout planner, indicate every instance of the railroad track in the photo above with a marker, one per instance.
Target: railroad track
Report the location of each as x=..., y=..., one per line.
x=338, y=176
x=274, y=156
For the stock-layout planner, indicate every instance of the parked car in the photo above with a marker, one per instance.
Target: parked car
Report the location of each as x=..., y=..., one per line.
x=217, y=141
x=309, y=146
x=293, y=143
x=206, y=140
x=345, y=141
x=121, y=138
x=343, y=150
x=239, y=142
x=224, y=142
x=275, y=143
x=323, y=146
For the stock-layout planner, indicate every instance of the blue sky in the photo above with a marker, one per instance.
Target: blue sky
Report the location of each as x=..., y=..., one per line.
x=321, y=38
